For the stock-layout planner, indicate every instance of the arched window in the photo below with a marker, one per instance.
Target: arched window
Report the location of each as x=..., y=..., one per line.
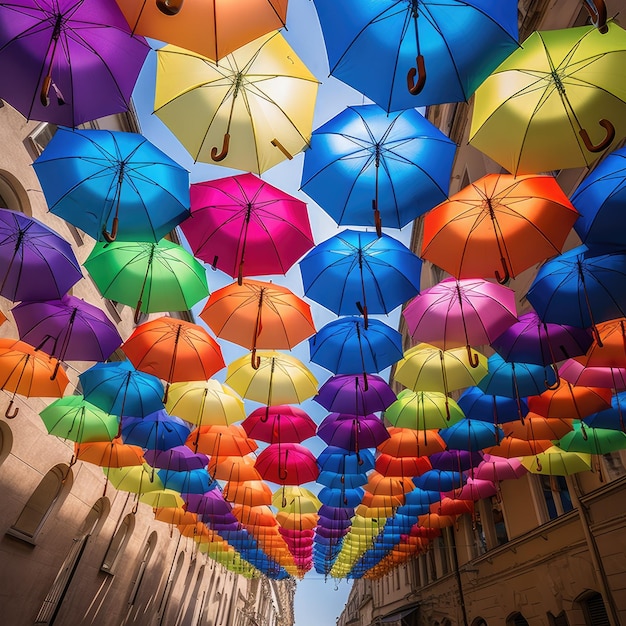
x=6, y=441
x=118, y=543
x=56, y=483
x=594, y=610
x=12, y=195
x=479, y=621
x=517, y=619
x=558, y=620
x=169, y=586
x=148, y=549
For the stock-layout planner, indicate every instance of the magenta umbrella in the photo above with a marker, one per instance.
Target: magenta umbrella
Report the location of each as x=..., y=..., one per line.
x=353, y=394
x=461, y=312
x=287, y=464
x=496, y=468
x=246, y=227
x=576, y=373
x=279, y=424
x=474, y=489
x=352, y=432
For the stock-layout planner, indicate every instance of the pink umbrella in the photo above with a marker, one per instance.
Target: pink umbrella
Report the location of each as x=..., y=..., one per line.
x=466, y=312
x=287, y=464
x=282, y=423
x=608, y=377
x=246, y=227
x=475, y=489
x=496, y=468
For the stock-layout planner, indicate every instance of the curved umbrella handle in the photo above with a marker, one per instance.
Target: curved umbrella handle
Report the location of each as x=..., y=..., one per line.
x=282, y=473
x=420, y=72
x=255, y=360
x=556, y=384
x=8, y=413
x=44, y=98
x=472, y=357
x=503, y=279
x=597, y=12
x=224, y=153
x=111, y=236
x=166, y=393
x=596, y=333
x=56, y=370
x=169, y=7
x=610, y=135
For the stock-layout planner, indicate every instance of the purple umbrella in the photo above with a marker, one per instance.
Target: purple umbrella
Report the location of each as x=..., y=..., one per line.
x=455, y=460
x=347, y=393
x=68, y=61
x=335, y=513
x=531, y=340
x=36, y=263
x=351, y=432
x=69, y=329
x=210, y=504
x=178, y=459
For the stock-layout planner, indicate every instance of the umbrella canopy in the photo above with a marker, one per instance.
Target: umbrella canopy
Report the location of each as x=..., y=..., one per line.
x=36, y=263
x=405, y=442
x=511, y=447
x=388, y=465
x=570, y=401
x=283, y=423
x=68, y=61
x=381, y=48
x=212, y=29
x=244, y=226
x=596, y=441
x=113, y=184
x=220, y=441
x=399, y=164
x=279, y=379
x=177, y=459
x=255, y=107
x=193, y=481
x=357, y=271
x=471, y=435
x=248, y=493
x=69, y=329
x=152, y=277
x=549, y=97
x=611, y=417
x=341, y=461
x=350, y=432
x=423, y=410
x=556, y=462
x=236, y=468
x=609, y=348
x=578, y=374
x=498, y=226
x=355, y=394
x=155, y=431
x=495, y=468
x=287, y=464
x=467, y=312
x=349, y=345
x=539, y=427
x=139, y=479
x=113, y=453
x=478, y=405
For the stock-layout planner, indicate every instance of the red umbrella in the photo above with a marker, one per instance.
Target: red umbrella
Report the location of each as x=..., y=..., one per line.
x=287, y=464
x=281, y=423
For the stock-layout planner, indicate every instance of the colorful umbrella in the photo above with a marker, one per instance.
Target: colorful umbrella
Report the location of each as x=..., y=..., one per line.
x=578, y=374
x=236, y=468
x=139, y=479
x=113, y=184
x=36, y=263
x=423, y=410
x=382, y=48
x=471, y=435
x=282, y=423
x=538, y=427
x=398, y=163
x=499, y=225
x=556, y=462
x=355, y=394
x=495, y=468
x=248, y=493
x=244, y=226
x=351, y=432
x=155, y=431
x=80, y=52
x=212, y=29
x=113, y=453
x=177, y=459
x=220, y=441
x=569, y=400
x=609, y=348
x=254, y=108
x=611, y=417
x=357, y=271
x=256, y=314
x=596, y=441
x=478, y=405
x=152, y=277
x=287, y=464
x=549, y=97
x=195, y=481
x=467, y=312
x=405, y=442
x=341, y=461
x=388, y=465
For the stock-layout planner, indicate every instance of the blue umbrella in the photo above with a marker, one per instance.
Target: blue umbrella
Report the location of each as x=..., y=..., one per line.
x=398, y=164
x=113, y=184
x=341, y=497
x=581, y=287
x=473, y=436
x=438, y=480
x=119, y=389
x=156, y=431
x=478, y=405
x=338, y=481
x=613, y=418
x=347, y=346
x=340, y=461
x=357, y=271
x=600, y=199
x=441, y=51
x=193, y=481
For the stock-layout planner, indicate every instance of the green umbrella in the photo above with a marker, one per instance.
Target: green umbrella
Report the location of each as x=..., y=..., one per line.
x=423, y=410
x=152, y=277
x=73, y=418
x=592, y=440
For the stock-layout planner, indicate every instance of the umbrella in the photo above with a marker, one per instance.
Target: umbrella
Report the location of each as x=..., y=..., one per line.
x=175, y=515
x=556, y=462
x=350, y=432
x=440, y=480
x=475, y=489
x=549, y=97
x=467, y=312
x=398, y=163
x=254, y=108
x=256, y=314
x=155, y=431
x=455, y=459
x=530, y=340
x=596, y=441
x=248, y=493
x=177, y=458
x=28, y=372
x=349, y=345
x=236, y=468
x=80, y=52
x=173, y=350
x=611, y=417
x=195, y=481
x=609, y=349
x=244, y=226
x=113, y=184
x=495, y=468
x=510, y=447
x=578, y=374
x=341, y=481
x=581, y=287
x=220, y=441
x=69, y=329
x=539, y=427
x=298, y=498
x=341, y=461
x=287, y=464
x=357, y=271
x=355, y=394
x=388, y=465
x=118, y=388
x=205, y=403
x=75, y=419
x=498, y=226
x=279, y=379
x=162, y=498
x=382, y=48
x=406, y=442
x=424, y=410
x=114, y=453
x=478, y=405
x=36, y=263
x=598, y=198
x=207, y=504
x=152, y=277
x=139, y=479
x=282, y=423
x=212, y=29
x=471, y=435
x=569, y=400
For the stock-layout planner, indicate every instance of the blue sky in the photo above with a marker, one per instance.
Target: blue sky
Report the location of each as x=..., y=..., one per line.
x=318, y=601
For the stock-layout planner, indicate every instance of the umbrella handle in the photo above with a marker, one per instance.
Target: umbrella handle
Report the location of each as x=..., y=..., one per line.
x=224, y=153
x=45, y=89
x=363, y=311
x=503, y=279
x=420, y=72
x=556, y=384
x=610, y=135
x=111, y=236
x=255, y=360
x=597, y=12
x=377, y=221
x=282, y=148
x=11, y=415
x=472, y=357
x=138, y=311
x=169, y=7
x=282, y=473
x=56, y=370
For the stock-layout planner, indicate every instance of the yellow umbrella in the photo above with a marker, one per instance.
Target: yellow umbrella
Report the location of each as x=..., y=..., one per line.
x=250, y=111
x=279, y=379
x=133, y=478
x=162, y=498
x=557, y=462
x=296, y=499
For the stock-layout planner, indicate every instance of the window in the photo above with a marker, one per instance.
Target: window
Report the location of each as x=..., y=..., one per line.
x=148, y=549
x=117, y=544
x=556, y=495
x=6, y=441
x=42, y=502
x=479, y=621
x=613, y=465
x=40, y=137
x=517, y=619
x=594, y=610
x=558, y=620
x=169, y=586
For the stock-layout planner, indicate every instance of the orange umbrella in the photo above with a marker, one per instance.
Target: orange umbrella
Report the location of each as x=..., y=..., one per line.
x=175, y=515
x=499, y=225
x=27, y=372
x=197, y=530
x=293, y=521
x=511, y=447
x=109, y=453
x=406, y=442
x=432, y=520
x=212, y=28
x=382, y=501
x=610, y=350
x=249, y=493
x=174, y=350
x=570, y=401
x=255, y=515
x=219, y=441
x=377, y=484
x=258, y=314
x=388, y=465
x=233, y=468
x=451, y=506
x=536, y=426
